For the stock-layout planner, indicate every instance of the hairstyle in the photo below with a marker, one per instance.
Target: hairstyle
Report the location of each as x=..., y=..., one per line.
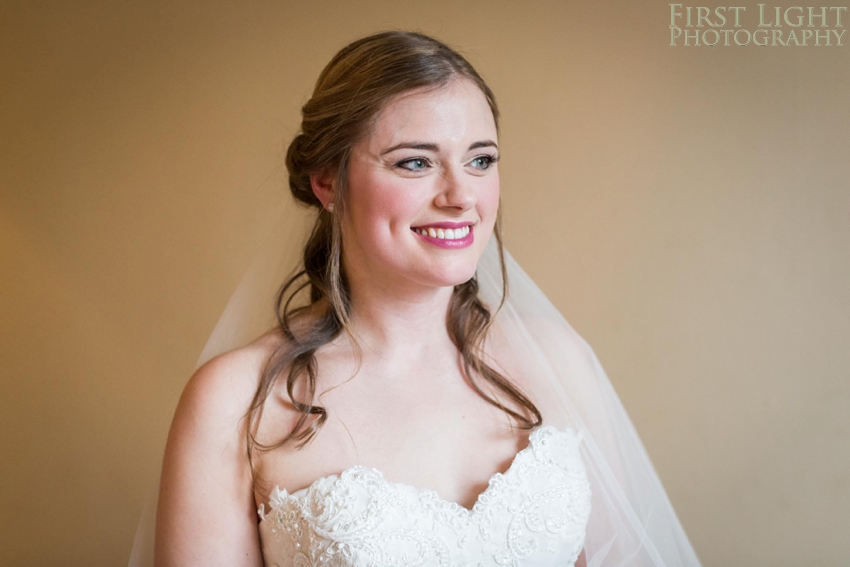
x=352, y=89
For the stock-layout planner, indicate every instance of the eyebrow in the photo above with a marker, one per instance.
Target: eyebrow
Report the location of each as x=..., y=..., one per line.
x=434, y=147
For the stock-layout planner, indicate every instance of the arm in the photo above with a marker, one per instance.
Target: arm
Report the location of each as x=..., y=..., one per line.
x=582, y=560
x=206, y=513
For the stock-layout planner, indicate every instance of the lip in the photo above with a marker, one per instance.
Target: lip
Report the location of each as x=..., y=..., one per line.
x=445, y=242
x=446, y=224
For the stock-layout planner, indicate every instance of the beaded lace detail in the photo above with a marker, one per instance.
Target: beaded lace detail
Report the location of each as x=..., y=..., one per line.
x=534, y=514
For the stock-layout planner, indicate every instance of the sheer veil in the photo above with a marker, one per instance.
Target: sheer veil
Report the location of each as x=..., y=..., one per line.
x=632, y=522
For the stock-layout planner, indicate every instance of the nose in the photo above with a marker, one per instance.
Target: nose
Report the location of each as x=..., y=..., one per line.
x=456, y=191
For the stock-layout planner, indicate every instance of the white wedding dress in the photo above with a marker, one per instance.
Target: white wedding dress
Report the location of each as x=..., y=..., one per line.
x=534, y=514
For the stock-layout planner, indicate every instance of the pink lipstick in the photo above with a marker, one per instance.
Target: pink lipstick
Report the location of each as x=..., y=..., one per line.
x=446, y=234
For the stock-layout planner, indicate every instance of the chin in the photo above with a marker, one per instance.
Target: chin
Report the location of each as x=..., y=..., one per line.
x=455, y=275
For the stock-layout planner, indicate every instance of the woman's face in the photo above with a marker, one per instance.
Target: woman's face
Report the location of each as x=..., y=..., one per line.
x=423, y=189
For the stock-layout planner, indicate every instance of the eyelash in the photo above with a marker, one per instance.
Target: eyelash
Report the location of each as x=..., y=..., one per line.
x=491, y=159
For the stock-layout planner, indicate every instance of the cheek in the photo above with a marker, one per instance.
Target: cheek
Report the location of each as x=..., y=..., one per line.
x=488, y=198
x=380, y=205
x=393, y=204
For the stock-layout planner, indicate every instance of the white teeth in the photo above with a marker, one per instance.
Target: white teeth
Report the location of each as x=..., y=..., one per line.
x=446, y=234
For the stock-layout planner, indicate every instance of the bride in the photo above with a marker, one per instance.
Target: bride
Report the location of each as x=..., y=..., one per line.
x=407, y=410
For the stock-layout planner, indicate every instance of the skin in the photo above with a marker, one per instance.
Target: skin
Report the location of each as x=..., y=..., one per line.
x=406, y=409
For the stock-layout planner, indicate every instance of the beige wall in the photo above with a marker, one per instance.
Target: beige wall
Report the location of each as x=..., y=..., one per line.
x=687, y=209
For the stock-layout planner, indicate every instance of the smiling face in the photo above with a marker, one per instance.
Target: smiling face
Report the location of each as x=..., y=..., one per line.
x=423, y=189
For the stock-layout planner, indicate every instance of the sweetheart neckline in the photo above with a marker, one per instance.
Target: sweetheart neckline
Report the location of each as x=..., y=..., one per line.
x=279, y=495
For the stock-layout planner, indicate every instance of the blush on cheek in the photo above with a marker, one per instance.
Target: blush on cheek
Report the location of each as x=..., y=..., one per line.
x=380, y=208
x=488, y=203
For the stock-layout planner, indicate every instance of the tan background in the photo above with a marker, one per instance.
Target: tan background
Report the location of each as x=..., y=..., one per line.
x=687, y=209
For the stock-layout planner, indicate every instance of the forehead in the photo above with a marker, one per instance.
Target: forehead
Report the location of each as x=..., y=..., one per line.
x=456, y=113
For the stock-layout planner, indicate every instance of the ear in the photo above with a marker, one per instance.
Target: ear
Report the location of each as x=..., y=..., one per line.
x=323, y=188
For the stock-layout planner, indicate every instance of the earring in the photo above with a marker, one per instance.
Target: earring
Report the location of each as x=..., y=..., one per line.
x=330, y=207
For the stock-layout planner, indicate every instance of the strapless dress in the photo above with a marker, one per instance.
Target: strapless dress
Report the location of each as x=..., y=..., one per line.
x=534, y=514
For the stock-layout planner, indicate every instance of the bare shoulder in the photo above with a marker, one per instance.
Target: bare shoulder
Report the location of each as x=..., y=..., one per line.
x=515, y=336
x=216, y=399
x=206, y=513
x=543, y=354
x=553, y=331
x=222, y=388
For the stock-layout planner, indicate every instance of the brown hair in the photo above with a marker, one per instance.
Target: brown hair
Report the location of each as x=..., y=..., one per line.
x=350, y=92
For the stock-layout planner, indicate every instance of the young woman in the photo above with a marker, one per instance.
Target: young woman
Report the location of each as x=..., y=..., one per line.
x=402, y=413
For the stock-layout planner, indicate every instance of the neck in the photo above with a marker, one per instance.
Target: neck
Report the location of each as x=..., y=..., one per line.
x=394, y=320
x=401, y=326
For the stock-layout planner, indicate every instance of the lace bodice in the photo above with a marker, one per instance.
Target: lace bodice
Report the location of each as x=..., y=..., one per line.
x=535, y=514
